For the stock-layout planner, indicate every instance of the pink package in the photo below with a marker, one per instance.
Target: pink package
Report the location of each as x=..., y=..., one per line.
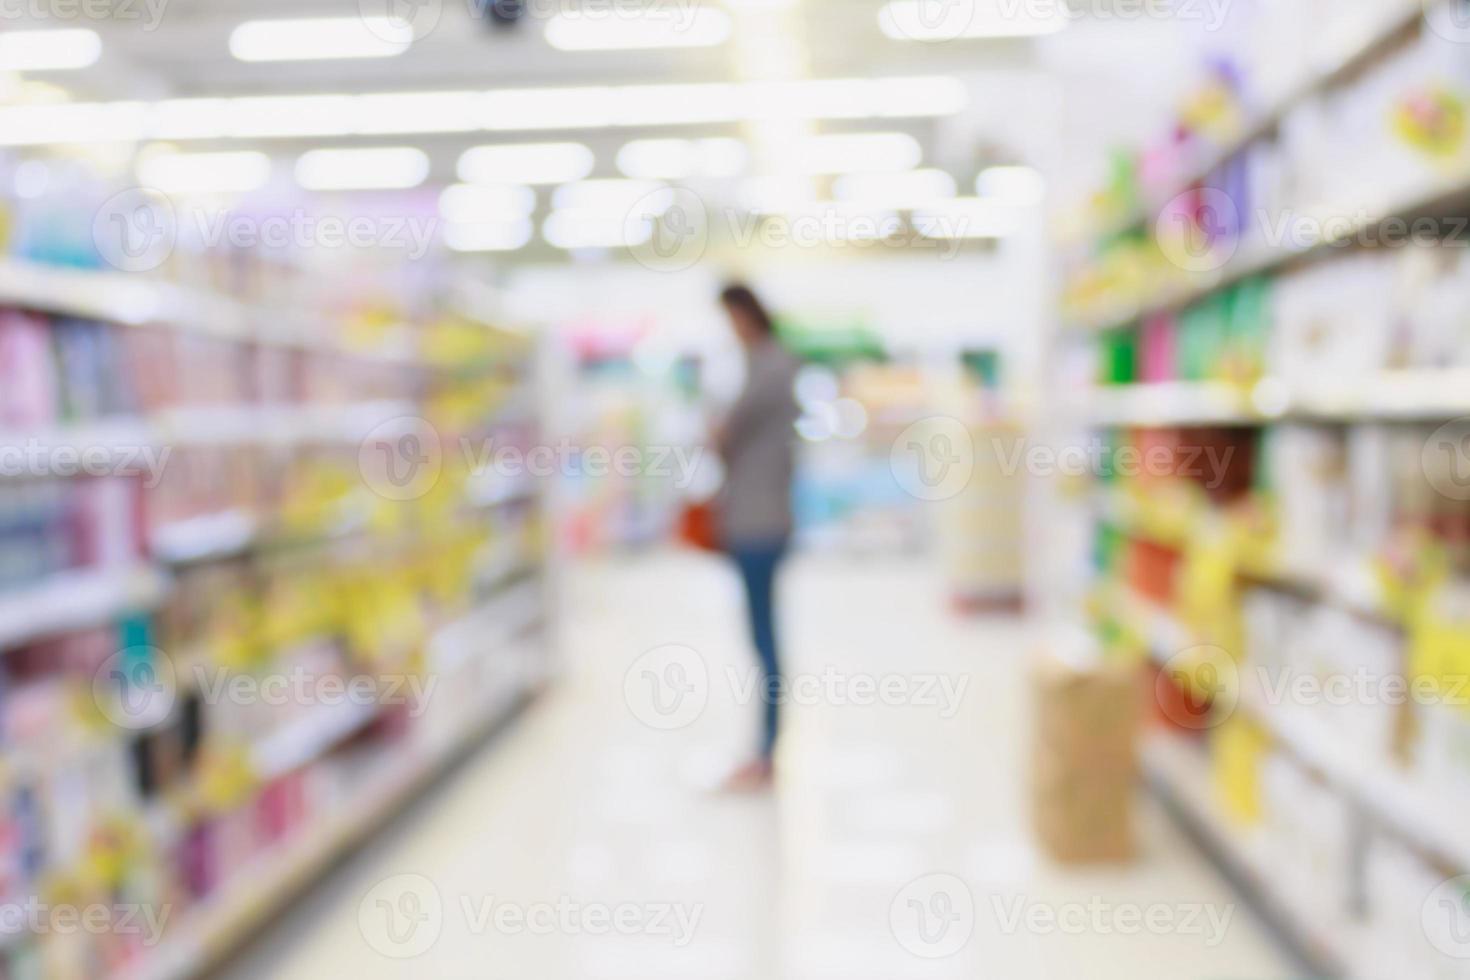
x=28, y=390
x=1156, y=354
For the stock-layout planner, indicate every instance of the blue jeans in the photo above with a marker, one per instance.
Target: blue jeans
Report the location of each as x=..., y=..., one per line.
x=758, y=562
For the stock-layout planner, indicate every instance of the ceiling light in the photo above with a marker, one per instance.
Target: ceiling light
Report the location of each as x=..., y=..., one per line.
x=675, y=26
x=838, y=98
x=501, y=110
x=526, y=163
x=386, y=168
x=776, y=195
x=321, y=39
x=467, y=203
x=582, y=229
x=967, y=217
x=666, y=105
x=1019, y=186
x=292, y=115
x=202, y=173
x=902, y=191
x=49, y=50
x=679, y=159
x=945, y=20
x=845, y=221
x=613, y=197
x=188, y=119
x=489, y=236
x=507, y=110
x=94, y=122
x=841, y=153
x=418, y=112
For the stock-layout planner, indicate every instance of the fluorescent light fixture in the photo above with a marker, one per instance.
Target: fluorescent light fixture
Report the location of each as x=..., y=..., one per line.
x=457, y=111
x=968, y=218
x=292, y=115
x=64, y=50
x=669, y=105
x=205, y=173
x=912, y=97
x=526, y=163
x=76, y=122
x=659, y=26
x=841, y=153
x=613, y=197
x=903, y=191
x=321, y=39
x=378, y=168
x=1019, y=186
x=946, y=20
x=418, y=112
x=776, y=195
x=845, y=221
x=838, y=98
x=582, y=229
x=680, y=159
x=492, y=203
x=508, y=110
x=489, y=236
x=188, y=119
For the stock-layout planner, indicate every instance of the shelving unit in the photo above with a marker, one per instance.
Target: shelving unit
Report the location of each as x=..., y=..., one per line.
x=482, y=614
x=1373, y=45
x=1219, y=548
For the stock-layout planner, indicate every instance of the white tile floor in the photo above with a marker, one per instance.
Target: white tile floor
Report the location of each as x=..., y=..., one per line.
x=898, y=833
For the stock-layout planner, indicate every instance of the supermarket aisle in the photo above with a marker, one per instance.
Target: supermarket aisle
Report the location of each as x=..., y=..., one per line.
x=586, y=811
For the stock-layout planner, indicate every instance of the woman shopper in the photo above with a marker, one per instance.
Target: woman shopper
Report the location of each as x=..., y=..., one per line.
x=755, y=520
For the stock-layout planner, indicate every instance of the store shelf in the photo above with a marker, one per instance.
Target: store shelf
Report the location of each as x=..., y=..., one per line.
x=1372, y=46
x=113, y=435
x=1347, y=582
x=224, y=425
x=1178, y=772
x=232, y=917
x=309, y=739
x=204, y=538
x=77, y=600
x=231, y=425
x=1407, y=395
x=113, y=297
x=500, y=621
x=1442, y=197
x=1394, y=799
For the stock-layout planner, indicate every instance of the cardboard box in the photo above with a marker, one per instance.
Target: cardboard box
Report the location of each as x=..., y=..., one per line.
x=1085, y=759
